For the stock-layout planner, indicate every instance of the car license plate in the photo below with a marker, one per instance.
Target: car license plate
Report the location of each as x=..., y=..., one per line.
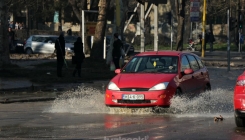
x=133, y=96
x=18, y=44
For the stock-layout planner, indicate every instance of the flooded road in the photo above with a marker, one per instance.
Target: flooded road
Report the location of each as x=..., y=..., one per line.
x=81, y=114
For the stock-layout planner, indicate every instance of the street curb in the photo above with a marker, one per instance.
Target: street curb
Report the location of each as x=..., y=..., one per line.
x=32, y=88
x=7, y=101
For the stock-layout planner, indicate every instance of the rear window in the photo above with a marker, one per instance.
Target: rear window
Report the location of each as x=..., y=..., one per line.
x=193, y=62
x=200, y=62
x=52, y=39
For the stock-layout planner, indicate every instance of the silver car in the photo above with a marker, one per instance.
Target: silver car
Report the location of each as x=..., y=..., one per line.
x=70, y=40
x=45, y=44
x=40, y=44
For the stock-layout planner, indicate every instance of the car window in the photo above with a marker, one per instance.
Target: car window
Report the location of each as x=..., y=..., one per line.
x=70, y=39
x=47, y=39
x=152, y=64
x=199, y=62
x=38, y=39
x=184, y=63
x=193, y=62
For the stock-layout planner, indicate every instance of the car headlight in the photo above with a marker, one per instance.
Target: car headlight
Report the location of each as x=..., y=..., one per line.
x=68, y=48
x=112, y=86
x=160, y=86
x=240, y=83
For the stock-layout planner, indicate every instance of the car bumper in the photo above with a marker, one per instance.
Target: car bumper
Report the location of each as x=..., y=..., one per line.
x=239, y=98
x=19, y=48
x=151, y=98
x=240, y=113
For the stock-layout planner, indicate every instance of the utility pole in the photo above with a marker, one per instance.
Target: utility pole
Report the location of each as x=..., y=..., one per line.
x=203, y=27
x=155, y=27
x=228, y=40
x=142, y=28
x=118, y=16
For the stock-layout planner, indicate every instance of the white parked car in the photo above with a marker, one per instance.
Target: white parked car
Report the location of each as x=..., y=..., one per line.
x=46, y=43
x=70, y=40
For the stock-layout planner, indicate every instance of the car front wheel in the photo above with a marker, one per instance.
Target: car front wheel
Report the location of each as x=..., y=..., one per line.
x=178, y=92
x=28, y=51
x=207, y=87
x=240, y=122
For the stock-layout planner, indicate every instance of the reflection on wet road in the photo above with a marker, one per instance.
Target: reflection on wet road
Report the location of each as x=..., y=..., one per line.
x=30, y=120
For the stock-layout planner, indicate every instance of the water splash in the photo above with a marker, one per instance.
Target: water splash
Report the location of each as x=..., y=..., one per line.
x=88, y=100
x=84, y=100
x=215, y=102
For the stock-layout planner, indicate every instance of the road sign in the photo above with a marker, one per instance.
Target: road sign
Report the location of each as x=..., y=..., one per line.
x=90, y=28
x=194, y=10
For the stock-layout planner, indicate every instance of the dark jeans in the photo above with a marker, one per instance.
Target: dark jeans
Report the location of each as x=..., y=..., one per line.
x=11, y=44
x=78, y=66
x=116, y=62
x=211, y=46
x=60, y=63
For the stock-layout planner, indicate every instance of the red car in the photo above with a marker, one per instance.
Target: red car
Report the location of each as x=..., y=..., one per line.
x=151, y=79
x=239, y=101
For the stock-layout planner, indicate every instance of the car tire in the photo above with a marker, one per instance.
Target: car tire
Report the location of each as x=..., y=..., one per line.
x=28, y=51
x=207, y=88
x=178, y=92
x=240, y=122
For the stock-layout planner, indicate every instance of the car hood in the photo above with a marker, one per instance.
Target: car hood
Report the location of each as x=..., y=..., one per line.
x=141, y=80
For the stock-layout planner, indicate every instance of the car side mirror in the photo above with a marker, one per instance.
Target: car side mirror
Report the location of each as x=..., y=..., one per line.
x=188, y=71
x=117, y=71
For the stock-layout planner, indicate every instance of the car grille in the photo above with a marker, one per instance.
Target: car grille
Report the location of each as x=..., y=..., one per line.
x=134, y=101
x=134, y=89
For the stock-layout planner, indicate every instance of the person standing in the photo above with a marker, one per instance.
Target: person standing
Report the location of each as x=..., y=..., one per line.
x=206, y=40
x=11, y=38
x=200, y=41
x=60, y=53
x=116, y=53
x=79, y=56
x=16, y=26
x=211, y=40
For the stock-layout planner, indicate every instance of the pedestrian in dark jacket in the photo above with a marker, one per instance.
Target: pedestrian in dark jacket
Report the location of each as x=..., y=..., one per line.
x=11, y=35
x=211, y=40
x=60, y=53
x=200, y=40
x=116, y=53
x=79, y=56
x=206, y=40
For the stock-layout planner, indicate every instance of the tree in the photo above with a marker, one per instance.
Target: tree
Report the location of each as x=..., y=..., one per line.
x=4, y=50
x=97, y=50
x=181, y=23
x=78, y=6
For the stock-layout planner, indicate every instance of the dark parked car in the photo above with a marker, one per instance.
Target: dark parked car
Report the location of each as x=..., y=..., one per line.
x=127, y=47
x=18, y=46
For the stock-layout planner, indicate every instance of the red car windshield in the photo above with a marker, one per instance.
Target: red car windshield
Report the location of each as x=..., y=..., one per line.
x=152, y=64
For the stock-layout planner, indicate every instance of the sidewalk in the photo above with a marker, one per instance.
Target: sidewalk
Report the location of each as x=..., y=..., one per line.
x=22, y=90
x=219, y=58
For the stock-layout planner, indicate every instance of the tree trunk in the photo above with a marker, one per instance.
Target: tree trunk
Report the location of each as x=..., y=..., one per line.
x=97, y=50
x=181, y=25
x=4, y=49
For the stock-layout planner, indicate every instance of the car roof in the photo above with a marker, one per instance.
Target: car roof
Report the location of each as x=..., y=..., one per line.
x=171, y=53
x=46, y=35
